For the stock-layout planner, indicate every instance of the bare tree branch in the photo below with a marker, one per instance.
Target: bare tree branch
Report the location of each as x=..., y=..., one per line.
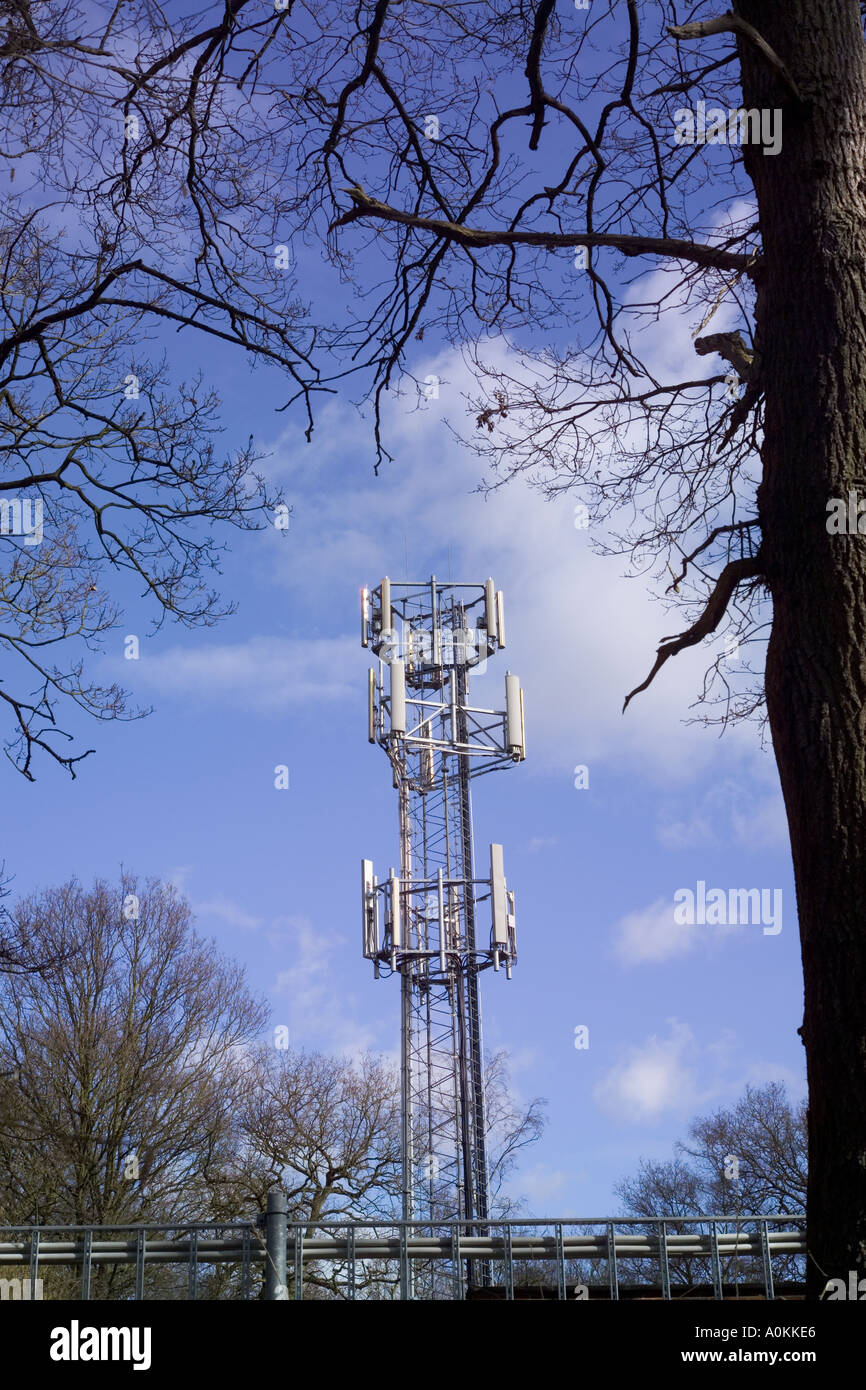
x=733, y=574
x=475, y=237
x=730, y=23
x=533, y=69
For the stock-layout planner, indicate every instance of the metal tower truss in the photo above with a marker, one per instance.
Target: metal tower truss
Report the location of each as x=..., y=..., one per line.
x=436, y=923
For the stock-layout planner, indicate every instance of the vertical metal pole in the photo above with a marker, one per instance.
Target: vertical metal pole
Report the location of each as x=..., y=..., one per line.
x=474, y=1060
x=193, y=1266
x=717, y=1268
x=350, y=1243
x=560, y=1263
x=34, y=1260
x=276, y=1228
x=465, y=1113
x=245, y=1266
x=663, y=1257
x=509, y=1263
x=140, y=1256
x=613, y=1275
x=86, y=1255
x=406, y=1116
x=769, y=1291
x=405, y=1277
x=456, y=1264
x=451, y=935
x=299, y=1262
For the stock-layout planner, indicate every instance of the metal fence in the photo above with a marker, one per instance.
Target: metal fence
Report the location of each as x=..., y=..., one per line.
x=272, y=1257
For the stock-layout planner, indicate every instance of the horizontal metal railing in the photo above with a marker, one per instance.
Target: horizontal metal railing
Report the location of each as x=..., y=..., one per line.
x=344, y=1246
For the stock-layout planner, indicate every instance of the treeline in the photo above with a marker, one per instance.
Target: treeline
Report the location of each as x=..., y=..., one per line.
x=141, y=1081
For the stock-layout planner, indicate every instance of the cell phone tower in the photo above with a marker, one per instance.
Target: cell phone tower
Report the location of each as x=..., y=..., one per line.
x=435, y=923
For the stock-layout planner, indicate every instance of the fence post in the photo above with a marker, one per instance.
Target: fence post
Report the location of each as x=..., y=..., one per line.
x=276, y=1229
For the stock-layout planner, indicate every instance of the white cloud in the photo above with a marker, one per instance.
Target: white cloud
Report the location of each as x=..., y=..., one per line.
x=262, y=673
x=537, y=842
x=760, y=1073
x=309, y=998
x=694, y=829
x=763, y=825
x=543, y=1186
x=655, y=1078
x=178, y=877
x=667, y=344
x=729, y=812
x=227, y=911
x=676, y=1076
x=318, y=1014
x=523, y=1059
x=651, y=934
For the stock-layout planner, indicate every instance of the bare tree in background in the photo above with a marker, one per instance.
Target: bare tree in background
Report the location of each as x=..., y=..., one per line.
x=120, y=1067
x=768, y=1137
x=133, y=1089
x=327, y=1130
x=513, y=1125
x=748, y=1159
x=328, y=1133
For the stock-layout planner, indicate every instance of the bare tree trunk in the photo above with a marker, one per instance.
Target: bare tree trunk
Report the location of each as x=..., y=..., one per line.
x=812, y=339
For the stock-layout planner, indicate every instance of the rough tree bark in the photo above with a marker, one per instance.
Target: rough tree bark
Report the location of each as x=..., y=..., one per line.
x=811, y=323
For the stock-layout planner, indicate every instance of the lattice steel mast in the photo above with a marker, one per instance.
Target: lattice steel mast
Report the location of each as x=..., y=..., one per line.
x=428, y=636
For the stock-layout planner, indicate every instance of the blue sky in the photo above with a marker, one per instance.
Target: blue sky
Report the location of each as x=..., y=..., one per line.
x=679, y=1019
